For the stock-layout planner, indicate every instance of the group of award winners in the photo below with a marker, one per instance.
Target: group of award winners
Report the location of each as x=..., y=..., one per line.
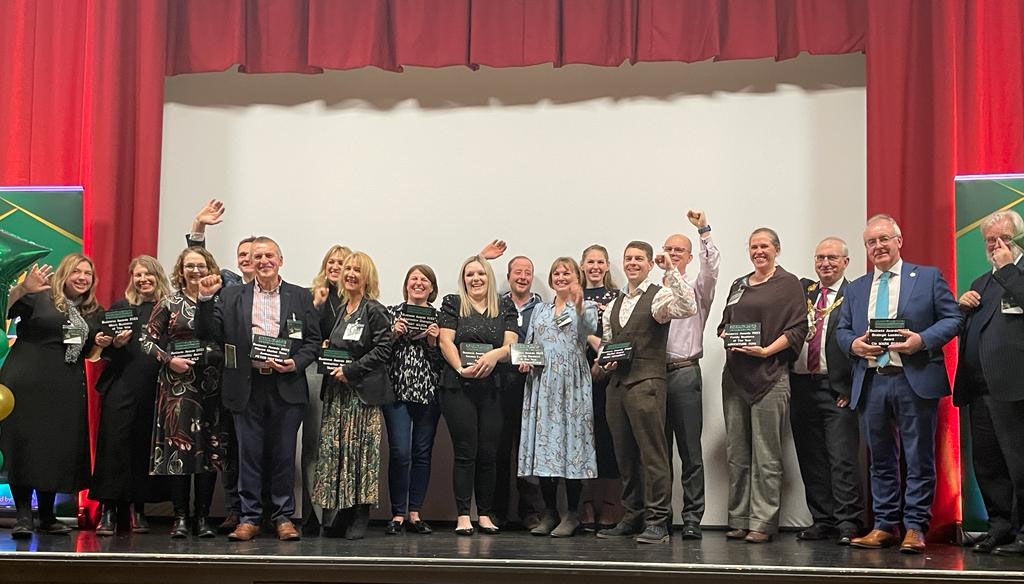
x=211, y=371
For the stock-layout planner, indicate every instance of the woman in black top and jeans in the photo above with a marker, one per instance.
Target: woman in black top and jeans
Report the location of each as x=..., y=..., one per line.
x=469, y=395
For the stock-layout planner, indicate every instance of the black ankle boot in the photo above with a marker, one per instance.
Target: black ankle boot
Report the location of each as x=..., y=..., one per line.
x=179, y=530
x=360, y=521
x=108, y=520
x=138, y=519
x=204, y=528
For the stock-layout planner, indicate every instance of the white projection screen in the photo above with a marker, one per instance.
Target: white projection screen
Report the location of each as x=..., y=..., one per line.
x=427, y=165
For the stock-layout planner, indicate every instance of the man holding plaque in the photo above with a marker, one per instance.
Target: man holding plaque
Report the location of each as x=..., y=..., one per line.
x=685, y=414
x=988, y=379
x=824, y=427
x=896, y=389
x=636, y=328
x=269, y=329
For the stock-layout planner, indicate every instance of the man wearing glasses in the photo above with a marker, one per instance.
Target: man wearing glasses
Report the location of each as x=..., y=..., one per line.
x=684, y=417
x=896, y=389
x=824, y=428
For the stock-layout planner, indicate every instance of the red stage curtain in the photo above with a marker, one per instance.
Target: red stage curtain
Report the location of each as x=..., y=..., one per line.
x=81, y=87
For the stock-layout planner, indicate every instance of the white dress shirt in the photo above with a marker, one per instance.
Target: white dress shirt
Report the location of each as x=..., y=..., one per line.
x=686, y=335
x=800, y=366
x=894, y=301
x=676, y=300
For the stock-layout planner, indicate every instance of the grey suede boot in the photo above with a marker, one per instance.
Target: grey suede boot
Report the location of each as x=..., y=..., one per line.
x=567, y=528
x=548, y=521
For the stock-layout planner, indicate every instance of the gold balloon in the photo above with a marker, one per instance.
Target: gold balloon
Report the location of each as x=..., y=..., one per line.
x=6, y=402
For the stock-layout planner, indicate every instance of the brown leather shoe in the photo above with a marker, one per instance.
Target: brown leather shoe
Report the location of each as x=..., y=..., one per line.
x=913, y=542
x=758, y=537
x=286, y=531
x=736, y=534
x=876, y=540
x=244, y=532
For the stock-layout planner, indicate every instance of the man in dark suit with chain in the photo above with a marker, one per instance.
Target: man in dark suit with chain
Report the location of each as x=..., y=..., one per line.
x=824, y=427
x=989, y=378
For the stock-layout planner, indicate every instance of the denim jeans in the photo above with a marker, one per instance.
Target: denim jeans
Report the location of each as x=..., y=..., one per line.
x=411, y=429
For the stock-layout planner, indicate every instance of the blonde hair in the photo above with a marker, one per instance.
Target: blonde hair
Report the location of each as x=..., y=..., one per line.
x=569, y=263
x=163, y=288
x=178, y=276
x=609, y=281
x=371, y=284
x=88, y=305
x=465, y=303
x=320, y=279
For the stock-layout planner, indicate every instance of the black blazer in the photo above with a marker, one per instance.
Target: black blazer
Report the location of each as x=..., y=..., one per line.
x=1002, y=340
x=367, y=373
x=227, y=319
x=840, y=369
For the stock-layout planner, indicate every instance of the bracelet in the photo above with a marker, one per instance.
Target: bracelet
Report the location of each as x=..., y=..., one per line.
x=703, y=230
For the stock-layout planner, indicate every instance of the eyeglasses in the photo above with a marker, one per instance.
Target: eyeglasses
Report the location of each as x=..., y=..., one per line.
x=197, y=267
x=670, y=249
x=878, y=241
x=1005, y=239
x=832, y=259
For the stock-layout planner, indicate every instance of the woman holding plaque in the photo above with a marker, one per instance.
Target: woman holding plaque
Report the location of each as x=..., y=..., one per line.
x=557, y=438
x=128, y=388
x=415, y=371
x=755, y=384
x=347, y=475
x=602, y=497
x=189, y=438
x=477, y=330
x=45, y=441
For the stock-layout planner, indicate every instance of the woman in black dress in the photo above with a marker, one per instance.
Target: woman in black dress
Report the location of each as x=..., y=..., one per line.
x=470, y=397
x=602, y=498
x=128, y=390
x=45, y=440
x=189, y=439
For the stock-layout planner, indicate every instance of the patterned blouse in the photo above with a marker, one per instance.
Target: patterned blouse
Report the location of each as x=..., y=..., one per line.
x=415, y=367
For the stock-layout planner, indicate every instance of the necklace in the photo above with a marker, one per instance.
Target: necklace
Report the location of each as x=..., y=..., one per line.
x=812, y=320
x=766, y=278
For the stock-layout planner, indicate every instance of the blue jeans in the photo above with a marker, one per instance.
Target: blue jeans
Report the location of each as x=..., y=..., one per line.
x=411, y=429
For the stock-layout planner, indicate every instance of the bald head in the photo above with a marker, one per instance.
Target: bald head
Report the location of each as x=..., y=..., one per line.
x=680, y=249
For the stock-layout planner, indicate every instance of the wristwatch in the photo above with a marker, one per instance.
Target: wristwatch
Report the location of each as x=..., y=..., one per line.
x=703, y=230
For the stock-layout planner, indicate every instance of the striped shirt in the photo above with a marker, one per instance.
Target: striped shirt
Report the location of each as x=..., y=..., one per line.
x=266, y=310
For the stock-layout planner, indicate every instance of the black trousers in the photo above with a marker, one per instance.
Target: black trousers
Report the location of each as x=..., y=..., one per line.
x=205, y=484
x=474, y=421
x=827, y=440
x=997, y=446
x=508, y=455
x=266, y=430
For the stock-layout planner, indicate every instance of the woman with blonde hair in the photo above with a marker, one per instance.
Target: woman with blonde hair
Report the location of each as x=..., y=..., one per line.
x=347, y=475
x=477, y=330
x=45, y=440
x=128, y=391
x=189, y=439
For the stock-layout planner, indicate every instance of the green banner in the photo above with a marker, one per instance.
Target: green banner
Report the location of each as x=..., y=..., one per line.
x=977, y=196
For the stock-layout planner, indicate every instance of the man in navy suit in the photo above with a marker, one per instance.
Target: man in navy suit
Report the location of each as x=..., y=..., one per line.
x=989, y=376
x=267, y=399
x=897, y=391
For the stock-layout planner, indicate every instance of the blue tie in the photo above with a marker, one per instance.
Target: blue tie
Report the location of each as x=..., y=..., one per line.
x=882, y=310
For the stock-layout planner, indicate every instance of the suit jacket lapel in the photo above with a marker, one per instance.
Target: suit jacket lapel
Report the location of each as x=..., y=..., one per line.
x=246, y=299
x=285, y=311
x=908, y=277
x=833, y=318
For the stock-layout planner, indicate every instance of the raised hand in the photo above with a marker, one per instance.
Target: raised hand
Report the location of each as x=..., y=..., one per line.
x=320, y=296
x=698, y=218
x=576, y=296
x=663, y=261
x=211, y=214
x=494, y=250
x=37, y=279
x=1001, y=255
x=209, y=285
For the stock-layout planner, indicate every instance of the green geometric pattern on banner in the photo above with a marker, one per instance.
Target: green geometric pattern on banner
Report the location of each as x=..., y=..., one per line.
x=976, y=198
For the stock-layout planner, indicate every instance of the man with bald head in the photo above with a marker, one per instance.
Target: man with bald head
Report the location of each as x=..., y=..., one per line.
x=824, y=427
x=684, y=416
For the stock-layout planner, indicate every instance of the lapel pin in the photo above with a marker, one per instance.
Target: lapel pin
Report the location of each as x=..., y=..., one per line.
x=913, y=274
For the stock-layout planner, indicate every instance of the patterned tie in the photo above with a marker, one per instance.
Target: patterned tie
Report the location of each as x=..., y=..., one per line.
x=814, y=346
x=882, y=310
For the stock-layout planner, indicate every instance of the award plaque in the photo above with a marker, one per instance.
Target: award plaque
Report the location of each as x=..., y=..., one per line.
x=743, y=334
x=527, y=354
x=266, y=348
x=418, y=318
x=883, y=332
x=116, y=322
x=191, y=349
x=331, y=359
x=616, y=352
x=470, y=352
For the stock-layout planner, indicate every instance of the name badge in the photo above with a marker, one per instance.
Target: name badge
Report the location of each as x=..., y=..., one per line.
x=519, y=319
x=353, y=331
x=1008, y=306
x=735, y=296
x=294, y=328
x=563, y=319
x=73, y=335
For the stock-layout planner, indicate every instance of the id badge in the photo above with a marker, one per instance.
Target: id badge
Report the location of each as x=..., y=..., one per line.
x=230, y=358
x=735, y=297
x=73, y=335
x=1008, y=307
x=294, y=328
x=353, y=331
x=563, y=319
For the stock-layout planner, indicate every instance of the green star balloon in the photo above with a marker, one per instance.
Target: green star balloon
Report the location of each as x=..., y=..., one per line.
x=16, y=256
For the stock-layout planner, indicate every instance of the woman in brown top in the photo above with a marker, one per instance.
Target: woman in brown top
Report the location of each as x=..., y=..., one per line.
x=755, y=387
